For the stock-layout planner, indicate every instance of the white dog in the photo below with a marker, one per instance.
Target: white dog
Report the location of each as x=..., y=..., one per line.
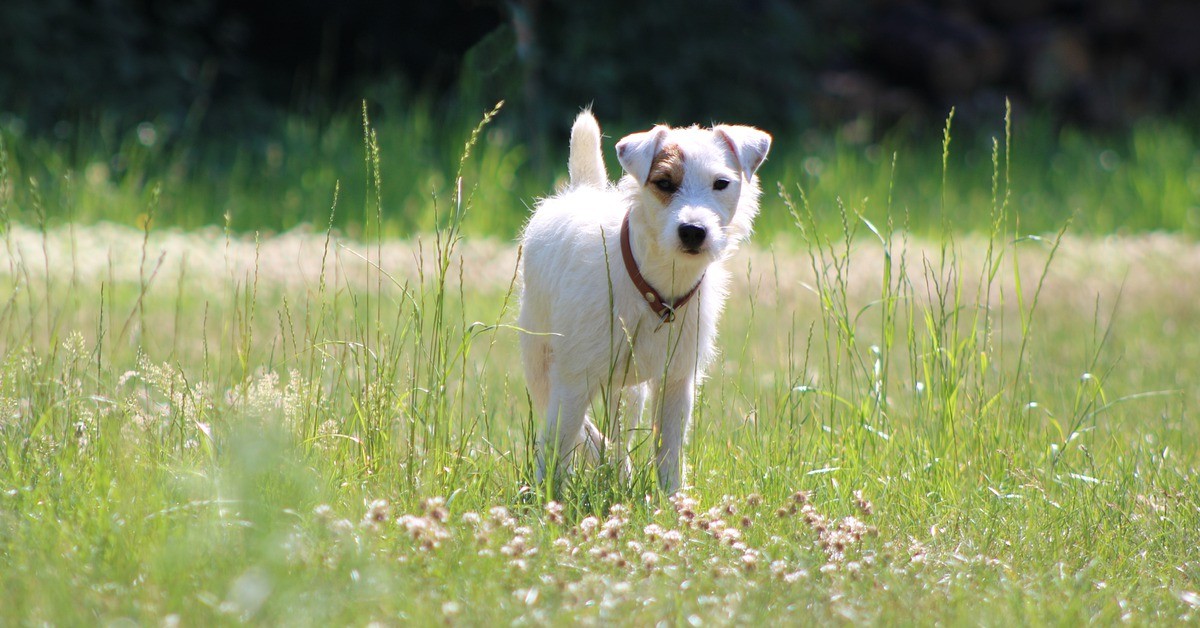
x=624, y=285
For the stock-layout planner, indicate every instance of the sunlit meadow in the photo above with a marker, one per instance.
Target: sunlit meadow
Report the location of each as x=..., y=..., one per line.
x=208, y=425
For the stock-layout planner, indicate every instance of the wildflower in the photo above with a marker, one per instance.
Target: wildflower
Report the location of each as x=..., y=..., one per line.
x=801, y=497
x=681, y=501
x=435, y=507
x=612, y=527
x=865, y=506
x=377, y=513
x=649, y=560
x=588, y=525
x=554, y=512
x=754, y=500
x=813, y=519
x=426, y=531
x=917, y=551
x=501, y=517
x=515, y=546
x=729, y=535
x=853, y=527
x=685, y=507
x=795, y=576
x=471, y=518
x=614, y=557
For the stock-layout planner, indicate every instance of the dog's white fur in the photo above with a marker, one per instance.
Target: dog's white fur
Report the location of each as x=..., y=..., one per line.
x=586, y=328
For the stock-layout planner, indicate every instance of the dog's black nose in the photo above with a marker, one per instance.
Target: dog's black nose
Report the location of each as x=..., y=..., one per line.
x=692, y=236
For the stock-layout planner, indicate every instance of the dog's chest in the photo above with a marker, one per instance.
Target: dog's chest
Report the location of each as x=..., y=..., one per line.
x=649, y=349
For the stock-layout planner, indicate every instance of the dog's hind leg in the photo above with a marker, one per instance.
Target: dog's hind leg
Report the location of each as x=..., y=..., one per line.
x=636, y=397
x=594, y=443
x=615, y=446
x=539, y=356
x=565, y=416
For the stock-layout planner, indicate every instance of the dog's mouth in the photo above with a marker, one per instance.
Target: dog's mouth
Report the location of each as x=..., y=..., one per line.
x=691, y=251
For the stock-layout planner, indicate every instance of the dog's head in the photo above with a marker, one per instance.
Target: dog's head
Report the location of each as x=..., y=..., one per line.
x=696, y=187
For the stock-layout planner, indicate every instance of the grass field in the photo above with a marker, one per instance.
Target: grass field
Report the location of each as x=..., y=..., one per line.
x=977, y=426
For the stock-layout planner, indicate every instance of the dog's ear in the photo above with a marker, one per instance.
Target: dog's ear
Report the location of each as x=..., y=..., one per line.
x=637, y=151
x=749, y=145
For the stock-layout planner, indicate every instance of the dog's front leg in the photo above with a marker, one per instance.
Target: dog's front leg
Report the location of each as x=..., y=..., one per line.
x=564, y=422
x=674, y=412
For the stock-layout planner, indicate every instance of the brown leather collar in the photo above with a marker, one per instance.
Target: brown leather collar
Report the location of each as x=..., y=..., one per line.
x=657, y=303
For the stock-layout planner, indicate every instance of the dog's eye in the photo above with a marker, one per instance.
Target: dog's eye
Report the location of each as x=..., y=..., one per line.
x=720, y=184
x=666, y=185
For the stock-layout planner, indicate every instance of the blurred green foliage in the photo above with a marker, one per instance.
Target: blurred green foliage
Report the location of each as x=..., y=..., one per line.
x=1146, y=179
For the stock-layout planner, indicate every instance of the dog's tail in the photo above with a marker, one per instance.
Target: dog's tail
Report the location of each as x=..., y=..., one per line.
x=586, y=163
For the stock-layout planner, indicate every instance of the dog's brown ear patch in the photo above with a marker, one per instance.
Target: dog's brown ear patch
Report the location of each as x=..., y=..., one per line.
x=666, y=173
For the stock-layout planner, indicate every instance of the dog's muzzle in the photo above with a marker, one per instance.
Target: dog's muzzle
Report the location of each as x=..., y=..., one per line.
x=692, y=236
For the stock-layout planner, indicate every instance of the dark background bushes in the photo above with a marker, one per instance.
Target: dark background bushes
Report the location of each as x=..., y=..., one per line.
x=225, y=65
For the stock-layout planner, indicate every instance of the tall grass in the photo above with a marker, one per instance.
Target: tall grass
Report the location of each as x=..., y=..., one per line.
x=316, y=428
x=1143, y=179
